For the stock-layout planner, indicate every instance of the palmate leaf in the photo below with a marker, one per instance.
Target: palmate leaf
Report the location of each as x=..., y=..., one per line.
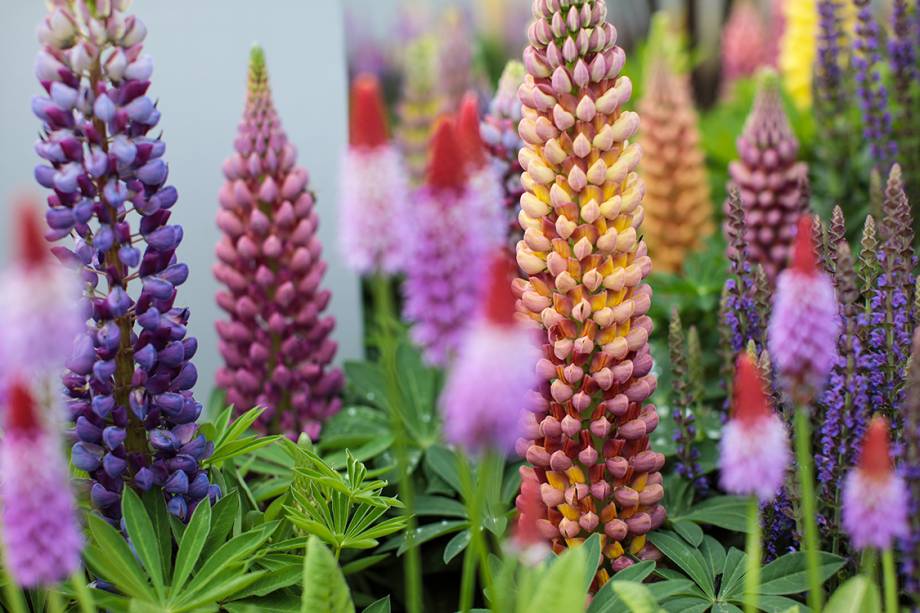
x=856, y=595
x=110, y=558
x=788, y=575
x=636, y=597
x=687, y=558
x=324, y=587
x=607, y=600
x=190, y=546
x=144, y=539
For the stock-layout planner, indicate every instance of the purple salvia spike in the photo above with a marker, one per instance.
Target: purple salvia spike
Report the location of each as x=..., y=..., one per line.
x=276, y=342
x=873, y=96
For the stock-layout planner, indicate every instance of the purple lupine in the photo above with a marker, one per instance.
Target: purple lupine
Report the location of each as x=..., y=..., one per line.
x=375, y=188
x=874, y=496
x=499, y=133
x=805, y=325
x=873, y=96
x=41, y=535
x=829, y=86
x=754, y=451
x=910, y=471
x=772, y=184
x=483, y=178
x=448, y=251
x=683, y=401
x=483, y=407
x=276, y=343
x=131, y=375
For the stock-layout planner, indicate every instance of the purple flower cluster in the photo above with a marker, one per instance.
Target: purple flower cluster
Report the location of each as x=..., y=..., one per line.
x=902, y=52
x=829, y=77
x=131, y=374
x=910, y=471
x=683, y=401
x=873, y=95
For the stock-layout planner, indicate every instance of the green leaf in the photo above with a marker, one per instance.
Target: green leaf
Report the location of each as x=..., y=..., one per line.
x=606, y=600
x=555, y=589
x=729, y=512
x=144, y=539
x=359, y=564
x=690, y=531
x=663, y=590
x=724, y=607
x=714, y=554
x=221, y=588
x=779, y=604
x=635, y=596
x=193, y=540
x=425, y=533
x=223, y=516
x=444, y=463
x=379, y=606
x=591, y=550
x=787, y=574
x=689, y=560
x=687, y=604
x=733, y=571
x=636, y=572
x=113, y=560
x=438, y=506
x=456, y=545
x=280, y=602
x=279, y=578
x=156, y=509
x=324, y=587
x=858, y=594
x=365, y=380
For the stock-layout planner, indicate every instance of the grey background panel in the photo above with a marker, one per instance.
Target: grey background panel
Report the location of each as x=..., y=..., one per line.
x=201, y=50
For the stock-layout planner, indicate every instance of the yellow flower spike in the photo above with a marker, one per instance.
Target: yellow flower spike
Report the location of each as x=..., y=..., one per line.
x=799, y=49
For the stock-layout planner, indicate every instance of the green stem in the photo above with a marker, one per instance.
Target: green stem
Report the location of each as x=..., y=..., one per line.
x=468, y=579
x=807, y=487
x=890, y=581
x=754, y=557
x=869, y=562
x=55, y=605
x=15, y=601
x=386, y=325
x=81, y=593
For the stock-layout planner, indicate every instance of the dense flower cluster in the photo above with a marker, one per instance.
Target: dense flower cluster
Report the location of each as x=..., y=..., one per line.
x=449, y=247
x=419, y=106
x=131, y=375
x=684, y=403
x=798, y=49
x=455, y=57
x=678, y=209
x=744, y=43
x=275, y=344
x=770, y=180
x=375, y=191
x=588, y=437
x=499, y=133
x=873, y=95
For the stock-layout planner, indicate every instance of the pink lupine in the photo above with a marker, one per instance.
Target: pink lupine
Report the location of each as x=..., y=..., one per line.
x=275, y=343
x=483, y=177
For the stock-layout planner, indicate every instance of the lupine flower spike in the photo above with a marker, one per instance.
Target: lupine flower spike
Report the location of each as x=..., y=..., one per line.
x=755, y=452
x=805, y=324
x=678, y=210
x=483, y=407
x=744, y=44
x=798, y=49
x=770, y=180
x=588, y=437
x=131, y=375
x=275, y=344
x=374, y=185
x=419, y=106
x=502, y=142
x=448, y=251
x=874, y=497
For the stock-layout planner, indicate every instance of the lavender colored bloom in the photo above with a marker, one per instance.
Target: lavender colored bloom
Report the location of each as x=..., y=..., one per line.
x=873, y=96
x=120, y=203
x=455, y=56
x=483, y=406
x=874, y=497
x=276, y=343
x=483, y=178
x=448, y=255
x=375, y=190
x=829, y=91
x=805, y=324
x=754, y=451
x=683, y=401
x=41, y=535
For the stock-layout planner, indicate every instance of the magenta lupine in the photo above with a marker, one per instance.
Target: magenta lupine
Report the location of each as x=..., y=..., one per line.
x=41, y=535
x=744, y=43
x=874, y=496
x=276, y=343
x=375, y=187
x=770, y=181
x=448, y=251
x=502, y=142
x=805, y=324
x=484, y=406
x=131, y=375
x=754, y=451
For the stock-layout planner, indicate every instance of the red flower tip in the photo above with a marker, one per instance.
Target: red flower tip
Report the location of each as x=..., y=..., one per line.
x=468, y=129
x=500, y=301
x=21, y=413
x=875, y=458
x=33, y=250
x=804, y=259
x=368, y=121
x=445, y=166
x=750, y=397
